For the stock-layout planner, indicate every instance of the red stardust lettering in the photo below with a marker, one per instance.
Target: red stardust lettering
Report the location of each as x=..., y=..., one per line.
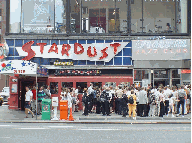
x=53, y=48
x=104, y=53
x=165, y=50
x=1, y=56
x=184, y=50
x=41, y=46
x=27, y=48
x=115, y=45
x=89, y=52
x=75, y=48
x=64, y=50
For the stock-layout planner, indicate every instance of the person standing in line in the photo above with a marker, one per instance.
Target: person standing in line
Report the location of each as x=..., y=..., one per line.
x=103, y=94
x=98, y=102
x=137, y=101
x=172, y=101
x=157, y=93
x=85, y=101
x=34, y=98
x=90, y=92
x=40, y=95
x=181, y=97
x=108, y=97
x=152, y=105
x=143, y=102
x=124, y=103
x=119, y=95
x=166, y=93
x=28, y=99
x=112, y=100
x=161, y=99
x=132, y=104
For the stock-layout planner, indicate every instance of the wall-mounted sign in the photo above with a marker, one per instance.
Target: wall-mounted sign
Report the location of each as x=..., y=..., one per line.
x=61, y=72
x=168, y=49
x=57, y=63
x=92, y=52
x=185, y=71
x=42, y=71
x=18, y=67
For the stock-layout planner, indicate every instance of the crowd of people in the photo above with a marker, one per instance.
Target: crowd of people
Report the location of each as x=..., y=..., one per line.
x=143, y=102
x=122, y=100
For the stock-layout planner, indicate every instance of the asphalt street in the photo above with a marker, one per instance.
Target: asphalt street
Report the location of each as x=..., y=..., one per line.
x=94, y=133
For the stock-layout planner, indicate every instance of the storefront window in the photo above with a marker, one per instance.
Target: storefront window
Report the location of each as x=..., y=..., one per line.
x=82, y=85
x=175, y=82
x=175, y=74
x=97, y=84
x=140, y=74
x=160, y=74
x=67, y=84
x=158, y=82
x=101, y=16
x=42, y=16
x=54, y=87
x=108, y=84
x=159, y=16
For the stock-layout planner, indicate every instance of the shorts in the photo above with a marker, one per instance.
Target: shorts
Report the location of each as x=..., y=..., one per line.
x=27, y=104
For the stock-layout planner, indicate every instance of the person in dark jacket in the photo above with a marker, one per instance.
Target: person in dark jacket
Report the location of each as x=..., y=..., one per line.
x=85, y=100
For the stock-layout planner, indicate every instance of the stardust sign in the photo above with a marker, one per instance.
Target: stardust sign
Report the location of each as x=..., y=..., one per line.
x=169, y=49
x=93, y=52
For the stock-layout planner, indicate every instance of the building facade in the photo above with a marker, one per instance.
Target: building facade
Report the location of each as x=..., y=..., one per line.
x=84, y=41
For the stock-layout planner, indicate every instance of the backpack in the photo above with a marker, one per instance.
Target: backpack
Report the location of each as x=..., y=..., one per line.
x=125, y=98
x=131, y=101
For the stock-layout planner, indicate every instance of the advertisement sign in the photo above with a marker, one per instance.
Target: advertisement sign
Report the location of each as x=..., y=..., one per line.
x=54, y=101
x=165, y=49
x=92, y=52
x=17, y=67
x=145, y=82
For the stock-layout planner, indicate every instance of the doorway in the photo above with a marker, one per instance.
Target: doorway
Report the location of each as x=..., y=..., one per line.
x=22, y=90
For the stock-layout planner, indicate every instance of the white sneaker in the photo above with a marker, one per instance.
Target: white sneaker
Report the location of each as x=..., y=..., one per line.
x=134, y=118
x=173, y=115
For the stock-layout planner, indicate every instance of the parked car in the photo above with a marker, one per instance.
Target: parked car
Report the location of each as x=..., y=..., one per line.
x=1, y=100
x=5, y=93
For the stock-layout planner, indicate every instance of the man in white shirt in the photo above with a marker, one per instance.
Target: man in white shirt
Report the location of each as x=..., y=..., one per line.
x=28, y=99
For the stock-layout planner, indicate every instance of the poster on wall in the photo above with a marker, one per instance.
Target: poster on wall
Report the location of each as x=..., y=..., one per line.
x=145, y=82
x=14, y=88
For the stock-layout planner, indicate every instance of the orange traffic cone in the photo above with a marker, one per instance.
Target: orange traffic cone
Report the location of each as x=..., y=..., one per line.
x=71, y=116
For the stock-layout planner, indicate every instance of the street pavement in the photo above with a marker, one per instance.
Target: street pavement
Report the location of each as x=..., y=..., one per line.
x=94, y=133
x=19, y=116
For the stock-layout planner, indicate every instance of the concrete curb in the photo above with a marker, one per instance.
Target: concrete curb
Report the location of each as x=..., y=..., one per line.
x=99, y=122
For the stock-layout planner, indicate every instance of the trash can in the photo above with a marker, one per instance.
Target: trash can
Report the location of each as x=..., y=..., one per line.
x=63, y=109
x=46, y=109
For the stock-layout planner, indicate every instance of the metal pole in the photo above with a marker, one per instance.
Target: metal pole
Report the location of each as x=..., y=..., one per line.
x=36, y=93
x=54, y=16
x=80, y=16
x=142, y=16
x=115, y=16
x=21, y=16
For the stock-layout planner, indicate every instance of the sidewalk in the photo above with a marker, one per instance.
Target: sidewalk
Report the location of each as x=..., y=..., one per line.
x=13, y=116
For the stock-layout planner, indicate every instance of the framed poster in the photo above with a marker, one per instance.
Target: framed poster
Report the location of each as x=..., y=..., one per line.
x=14, y=88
